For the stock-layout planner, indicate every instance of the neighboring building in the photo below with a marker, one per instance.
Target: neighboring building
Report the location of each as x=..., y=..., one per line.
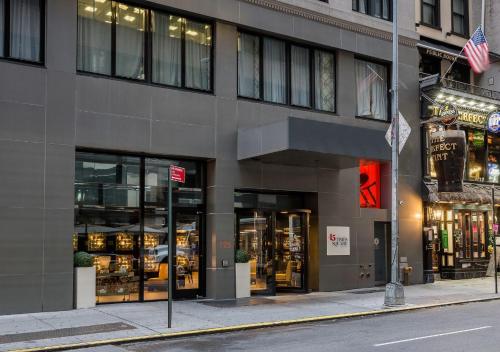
x=278, y=113
x=460, y=223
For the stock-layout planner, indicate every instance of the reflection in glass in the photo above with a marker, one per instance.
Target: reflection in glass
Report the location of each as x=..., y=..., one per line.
x=274, y=70
x=255, y=239
x=25, y=29
x=493, y=158
x=187, y=252
x=475, y=155
x=300, y=77
x=289, y=251
x=166, y=48
x=371, y=90
x=94, y=36
x=324, y=80
x=130, y=36
x=198, y=55
x=107, y=222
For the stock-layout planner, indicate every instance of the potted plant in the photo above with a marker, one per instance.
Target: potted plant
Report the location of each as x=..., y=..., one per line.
x=242, y=274
x=85, y=277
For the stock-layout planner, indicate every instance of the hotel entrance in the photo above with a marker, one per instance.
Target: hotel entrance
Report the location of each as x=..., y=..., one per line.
x=276, y=242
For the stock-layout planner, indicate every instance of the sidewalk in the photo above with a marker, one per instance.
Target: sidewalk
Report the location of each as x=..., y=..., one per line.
x=114, y=321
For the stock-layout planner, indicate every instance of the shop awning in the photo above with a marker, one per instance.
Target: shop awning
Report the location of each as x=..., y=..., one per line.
x=472, y=193
x=297, y=141
x=440, y=50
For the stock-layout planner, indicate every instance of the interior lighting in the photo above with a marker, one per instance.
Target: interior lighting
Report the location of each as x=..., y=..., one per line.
x=193, y=33
x=123, y=6
x=491, y=107
x=90, y=9
x=109, y=14
x=472, y=103
x=440, y=96
x=129, y=18
x=482, y=105
x=451, y=98
x=461, y=101
x=173, y=28
x=101, y=1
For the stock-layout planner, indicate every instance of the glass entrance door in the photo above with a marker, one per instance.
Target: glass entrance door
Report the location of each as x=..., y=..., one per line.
x=254, y=231
x=290, y=250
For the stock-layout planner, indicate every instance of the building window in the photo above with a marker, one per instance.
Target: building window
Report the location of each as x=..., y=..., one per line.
x=376, y=8
x=121, y=219
x=430, y=13
x=493, y=158
x=371, y=90
x=21, y=29
x=476, y=153
x=460, y=22
x=112, y=39
x=279, y=72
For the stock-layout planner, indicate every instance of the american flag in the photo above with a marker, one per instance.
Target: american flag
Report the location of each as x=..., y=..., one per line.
x=476, y=51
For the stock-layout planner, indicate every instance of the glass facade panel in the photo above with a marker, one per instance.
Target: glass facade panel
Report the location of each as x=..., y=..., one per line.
x=289, y=251
x=493, y=158
x=371, y=90
x=25, y=25
x=248, y=66
x=300, y=77
x=94, y=36
x=130, y=41
x=476, y=155
x=198, y=55
x=108, y=224
x=274, y=71
x=167, y=48
x=324, y=80
x=430, y=12
x=460, y=16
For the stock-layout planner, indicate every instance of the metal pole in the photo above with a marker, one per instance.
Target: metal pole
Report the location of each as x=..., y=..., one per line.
x=482, y=16
x=394, y=291
x=171, y=271
x=494, y=237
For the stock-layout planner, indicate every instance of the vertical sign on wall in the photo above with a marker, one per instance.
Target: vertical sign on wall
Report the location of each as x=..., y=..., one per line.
x=369, y=184
x=338, y=240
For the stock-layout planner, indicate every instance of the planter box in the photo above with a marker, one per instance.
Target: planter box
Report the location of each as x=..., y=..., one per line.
x=242, y=280
x=84, y=290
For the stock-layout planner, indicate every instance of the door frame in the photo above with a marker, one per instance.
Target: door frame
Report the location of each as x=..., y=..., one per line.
x=387, y=256
x=271, y=231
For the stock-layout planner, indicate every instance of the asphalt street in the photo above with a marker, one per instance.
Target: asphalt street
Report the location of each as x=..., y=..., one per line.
x=470, y=327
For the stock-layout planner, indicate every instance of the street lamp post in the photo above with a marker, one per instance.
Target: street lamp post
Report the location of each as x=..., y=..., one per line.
x=394, y=291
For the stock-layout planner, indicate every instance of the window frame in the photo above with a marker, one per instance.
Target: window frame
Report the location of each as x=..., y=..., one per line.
x=437, y=14
x=387, y=66
x=370, y=11
x=465, y=17
x=288, y=79
x=5, y=53
x=148, y=48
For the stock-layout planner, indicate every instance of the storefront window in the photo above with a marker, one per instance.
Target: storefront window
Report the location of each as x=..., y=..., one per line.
x=126, y=249
x=476, y=155
x=493, y=158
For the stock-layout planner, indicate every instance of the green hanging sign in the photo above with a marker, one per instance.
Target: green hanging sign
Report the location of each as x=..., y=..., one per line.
x=444, y=239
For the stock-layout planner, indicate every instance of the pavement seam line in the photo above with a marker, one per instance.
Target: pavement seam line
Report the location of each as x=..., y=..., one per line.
x=241, y=327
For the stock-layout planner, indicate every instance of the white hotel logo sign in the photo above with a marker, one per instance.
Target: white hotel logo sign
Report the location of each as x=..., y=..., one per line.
x=338, y=240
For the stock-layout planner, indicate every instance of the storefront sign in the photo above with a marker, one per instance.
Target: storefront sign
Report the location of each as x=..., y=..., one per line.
x=177, y=174
x=464, y=116
x=494, y=122
x=440, y=54
x=338, y=240
x=449, y=114
x=369, y=184
x=448, y=154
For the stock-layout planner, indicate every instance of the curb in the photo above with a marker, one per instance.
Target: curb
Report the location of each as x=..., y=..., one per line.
x=242, y=327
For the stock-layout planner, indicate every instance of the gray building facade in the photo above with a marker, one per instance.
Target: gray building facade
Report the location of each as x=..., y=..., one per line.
x=51, y=112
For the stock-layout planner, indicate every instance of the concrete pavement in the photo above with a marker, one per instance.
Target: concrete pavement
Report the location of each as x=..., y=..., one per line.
x=129, y=320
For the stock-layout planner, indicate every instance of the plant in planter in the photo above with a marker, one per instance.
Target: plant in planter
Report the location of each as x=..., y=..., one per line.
x=85, y=277
x=242, y=274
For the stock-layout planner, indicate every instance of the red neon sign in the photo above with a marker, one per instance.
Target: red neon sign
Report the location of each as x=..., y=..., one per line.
x=369, y=185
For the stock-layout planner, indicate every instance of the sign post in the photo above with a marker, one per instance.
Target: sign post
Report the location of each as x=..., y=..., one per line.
x=176, y=174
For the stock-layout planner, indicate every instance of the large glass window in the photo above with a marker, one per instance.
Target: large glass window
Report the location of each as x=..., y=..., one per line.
x=279, y=72
x=130, y=39
x=371, y=90
x=22, y=24
x=112, y=41
x=460, y=14
x=430, y=12
x=127, y=235
x=274, y=70
x=248, y=66
x=376, y=8
x=301, y=84
x=476, y=155
x=324, y=80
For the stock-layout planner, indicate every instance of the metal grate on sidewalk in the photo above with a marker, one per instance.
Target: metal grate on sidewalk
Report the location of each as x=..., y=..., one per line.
x=65, y=332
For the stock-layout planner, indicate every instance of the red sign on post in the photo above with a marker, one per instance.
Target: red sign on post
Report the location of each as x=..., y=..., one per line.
x=177, y=174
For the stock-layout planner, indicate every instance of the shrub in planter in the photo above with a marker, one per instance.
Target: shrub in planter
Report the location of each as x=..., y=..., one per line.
x=85, y=277
x=241, y=259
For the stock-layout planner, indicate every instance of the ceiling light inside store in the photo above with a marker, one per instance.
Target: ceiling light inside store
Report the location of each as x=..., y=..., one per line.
x=193, y=33
x=129, y=18
x=136, y=10
x=123, y=7
x=472, y=103
x=440, y=96
x=491, y=107
x=461, y=101
x=109, y=13
x=451, y=98
x=173, y=28
x=482, y=105
x=90, y=9
x=101, y=1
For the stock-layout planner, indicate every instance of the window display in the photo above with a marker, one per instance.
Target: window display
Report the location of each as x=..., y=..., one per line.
x=108, y=225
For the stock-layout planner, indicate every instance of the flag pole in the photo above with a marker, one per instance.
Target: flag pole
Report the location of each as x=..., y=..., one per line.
x=452, y=63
